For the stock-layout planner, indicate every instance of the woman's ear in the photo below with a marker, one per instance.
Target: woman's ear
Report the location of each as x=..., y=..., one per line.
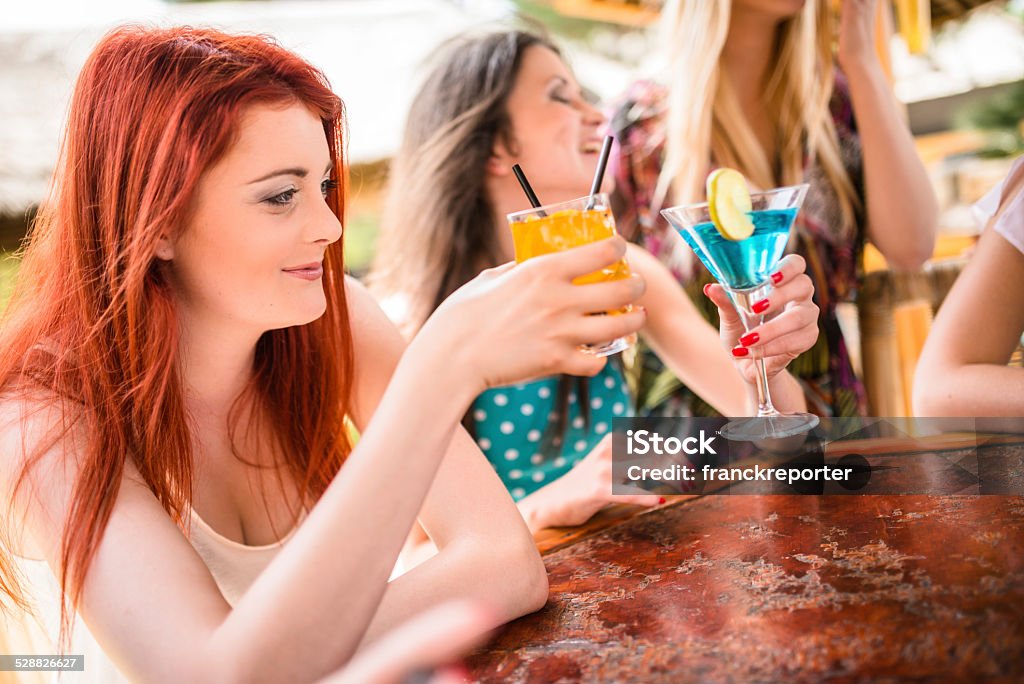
x=165, y=249
x=498, y=166
x=501, y=160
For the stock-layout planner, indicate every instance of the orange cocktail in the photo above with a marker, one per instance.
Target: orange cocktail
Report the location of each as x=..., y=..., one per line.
x=558, y=227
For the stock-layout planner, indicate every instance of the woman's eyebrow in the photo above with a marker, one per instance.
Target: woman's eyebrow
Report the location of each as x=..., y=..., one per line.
x=298, y=171
x=293, y=171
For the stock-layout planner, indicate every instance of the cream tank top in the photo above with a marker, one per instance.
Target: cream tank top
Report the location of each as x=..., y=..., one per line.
x=234, y=567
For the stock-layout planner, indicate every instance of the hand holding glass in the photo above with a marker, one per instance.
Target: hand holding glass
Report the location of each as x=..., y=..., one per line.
x=744, y=268
x=558, y=227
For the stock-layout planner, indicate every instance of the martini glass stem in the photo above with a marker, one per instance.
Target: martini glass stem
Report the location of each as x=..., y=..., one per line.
x=764, y=397
x=743, y=301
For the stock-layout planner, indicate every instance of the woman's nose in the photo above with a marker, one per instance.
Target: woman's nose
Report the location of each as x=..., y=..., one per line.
x=592, y=115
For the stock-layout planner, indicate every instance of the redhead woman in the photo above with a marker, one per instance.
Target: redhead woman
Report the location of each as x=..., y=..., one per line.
x=183, y=359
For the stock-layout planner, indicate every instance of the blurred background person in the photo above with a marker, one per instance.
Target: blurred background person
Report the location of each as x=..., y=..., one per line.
x=963, y=369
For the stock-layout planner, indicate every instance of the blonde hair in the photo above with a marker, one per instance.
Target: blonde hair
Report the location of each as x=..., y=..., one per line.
x=797, y=97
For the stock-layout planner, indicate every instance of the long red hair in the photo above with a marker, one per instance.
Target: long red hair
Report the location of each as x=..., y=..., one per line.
x=92, y=321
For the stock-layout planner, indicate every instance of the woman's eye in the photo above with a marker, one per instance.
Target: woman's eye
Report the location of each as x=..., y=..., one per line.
x=282, y=199
x=326, y=186
x=559, y=97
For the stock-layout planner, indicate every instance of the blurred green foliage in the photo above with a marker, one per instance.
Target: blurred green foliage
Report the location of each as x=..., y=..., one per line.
x=8, y=267
x=1002, y=118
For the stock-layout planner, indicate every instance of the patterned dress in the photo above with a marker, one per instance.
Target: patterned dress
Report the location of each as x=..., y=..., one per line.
x=511, y=427
x=833, y=261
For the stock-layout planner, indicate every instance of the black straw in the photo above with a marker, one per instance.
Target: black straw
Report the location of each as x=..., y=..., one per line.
x=530, y=194
x=602, y=162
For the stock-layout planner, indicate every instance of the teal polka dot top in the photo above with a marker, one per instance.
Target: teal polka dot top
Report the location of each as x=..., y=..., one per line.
x=511, y=421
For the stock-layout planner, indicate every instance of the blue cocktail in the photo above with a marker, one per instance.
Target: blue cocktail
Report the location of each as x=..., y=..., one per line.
x=744, y=268
x=743, y=264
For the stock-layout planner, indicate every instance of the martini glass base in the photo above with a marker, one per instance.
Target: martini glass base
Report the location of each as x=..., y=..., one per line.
x=768, y=427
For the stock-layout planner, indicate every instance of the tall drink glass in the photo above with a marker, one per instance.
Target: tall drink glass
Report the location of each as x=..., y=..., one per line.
x=562, y=226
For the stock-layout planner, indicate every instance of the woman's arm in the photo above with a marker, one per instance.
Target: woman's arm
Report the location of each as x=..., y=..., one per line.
x=485, y=551
x=154, y=607
x=902, y=212
x=698, y=354
x=962, y=370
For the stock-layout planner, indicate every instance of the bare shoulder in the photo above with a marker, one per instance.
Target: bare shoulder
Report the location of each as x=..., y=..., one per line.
x=35, y=424
x=43, y=442
x=373, y=333
x=377, y=344
x=39, y=443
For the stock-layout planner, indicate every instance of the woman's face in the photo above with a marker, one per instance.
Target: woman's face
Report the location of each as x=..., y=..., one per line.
x=251, y=254
x=557, y=133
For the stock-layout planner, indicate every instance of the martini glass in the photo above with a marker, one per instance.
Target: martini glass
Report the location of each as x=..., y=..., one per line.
x=744, y=269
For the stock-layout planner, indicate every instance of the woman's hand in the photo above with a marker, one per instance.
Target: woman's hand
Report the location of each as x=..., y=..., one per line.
x=780, y=340
x=434, y=638
x=576, y=496
x=522, y=321
x=856, y=32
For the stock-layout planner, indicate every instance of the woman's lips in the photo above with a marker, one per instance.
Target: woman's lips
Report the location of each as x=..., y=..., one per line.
x=307, y=271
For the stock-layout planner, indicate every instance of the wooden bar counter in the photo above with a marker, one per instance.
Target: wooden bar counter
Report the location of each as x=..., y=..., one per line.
x=767, y=588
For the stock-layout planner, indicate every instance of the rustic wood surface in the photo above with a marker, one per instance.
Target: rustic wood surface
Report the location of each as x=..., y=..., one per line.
x=781, y=588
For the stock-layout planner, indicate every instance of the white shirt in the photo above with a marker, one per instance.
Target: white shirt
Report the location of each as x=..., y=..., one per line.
x=1011, y=222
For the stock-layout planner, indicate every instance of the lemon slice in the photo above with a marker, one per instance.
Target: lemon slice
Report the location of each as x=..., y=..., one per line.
x=729, y=204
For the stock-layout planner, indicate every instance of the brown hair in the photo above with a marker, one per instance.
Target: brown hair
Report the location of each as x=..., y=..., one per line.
x=438, y=230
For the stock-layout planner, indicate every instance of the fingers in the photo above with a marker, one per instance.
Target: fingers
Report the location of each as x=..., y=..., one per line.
x=789, y=346
x=638, y=499
x=799, y=290
x=792, y=332
x=435, y=637
x=582, y=260
x=608, y=295
x=581, y=363
x=604, y=328
x=726, y=311
x=789, y=267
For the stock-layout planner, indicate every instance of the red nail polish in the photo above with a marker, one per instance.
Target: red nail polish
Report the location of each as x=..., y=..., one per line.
x=740, y=351
x=706, y=288
x=777, y=277
x=662, y=500
x=761, y=306
x=749, y=339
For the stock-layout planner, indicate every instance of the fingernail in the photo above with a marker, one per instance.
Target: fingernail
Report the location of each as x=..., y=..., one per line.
x=749, y=339
x=761, y=306
x=740, y=351
x=777, y=277
x=706, y=288
x=662, y=500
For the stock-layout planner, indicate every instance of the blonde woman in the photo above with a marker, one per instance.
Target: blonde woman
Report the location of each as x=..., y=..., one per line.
x=753, y=85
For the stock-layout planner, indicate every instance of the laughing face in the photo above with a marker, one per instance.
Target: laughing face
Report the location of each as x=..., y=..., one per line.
x=557, y=133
